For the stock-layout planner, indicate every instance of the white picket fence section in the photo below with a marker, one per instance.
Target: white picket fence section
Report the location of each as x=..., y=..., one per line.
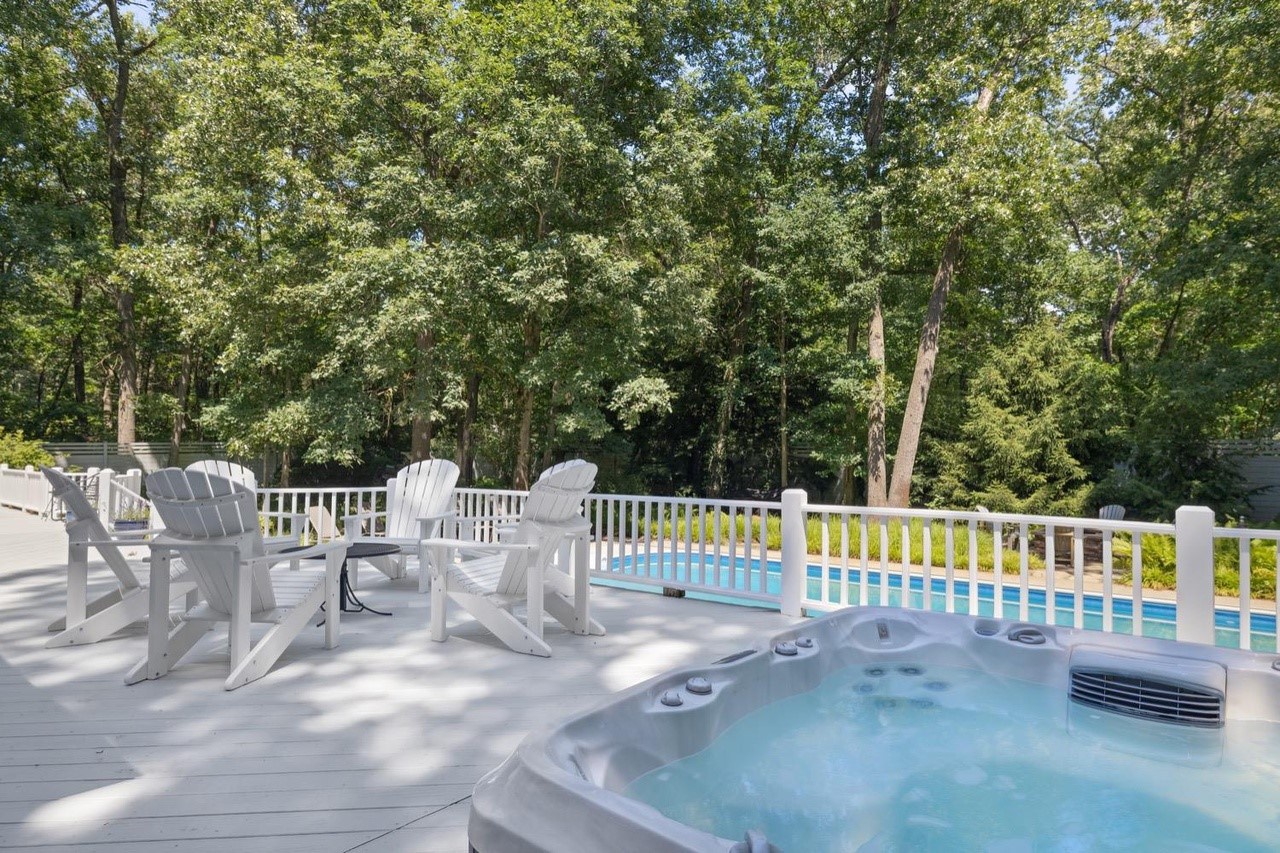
x=115, y=495
x=807, y=557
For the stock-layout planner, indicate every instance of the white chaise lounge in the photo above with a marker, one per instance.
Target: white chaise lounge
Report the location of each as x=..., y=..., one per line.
x=90, y=621
x=419, y=506
x=211, y=523
x=490, y=579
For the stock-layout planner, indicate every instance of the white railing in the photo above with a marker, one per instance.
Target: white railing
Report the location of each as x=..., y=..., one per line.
x=336, y=502
x=722, y=547
x=1120, y=576
x=1255, y=558
x=113, y=494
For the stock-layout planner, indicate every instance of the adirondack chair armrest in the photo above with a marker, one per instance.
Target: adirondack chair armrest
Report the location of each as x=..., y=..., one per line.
x=323, y=549
x=128, y=535
x=425, y=522
x=438, y=567
x=351, y=523
x=471, y=545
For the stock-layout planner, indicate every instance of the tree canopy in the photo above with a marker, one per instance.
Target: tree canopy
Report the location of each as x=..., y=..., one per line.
x=1020, y=253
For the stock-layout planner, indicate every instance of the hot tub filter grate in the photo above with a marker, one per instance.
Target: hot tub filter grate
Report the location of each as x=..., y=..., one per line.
x=1147, y=698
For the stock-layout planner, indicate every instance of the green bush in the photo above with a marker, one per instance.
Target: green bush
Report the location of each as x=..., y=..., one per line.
x=1159, y=564
x=19, y=452
x=773, y=539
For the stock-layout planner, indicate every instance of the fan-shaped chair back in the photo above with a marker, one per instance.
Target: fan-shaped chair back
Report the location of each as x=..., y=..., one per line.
x=228, y=470
x=205, y=509
x=554, y=503
x=421, y=489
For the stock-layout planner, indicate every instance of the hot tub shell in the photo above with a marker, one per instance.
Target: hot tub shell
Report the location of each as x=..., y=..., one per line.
x=560, y=791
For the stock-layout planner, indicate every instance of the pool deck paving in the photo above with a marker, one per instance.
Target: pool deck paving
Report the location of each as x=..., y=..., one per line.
x=374, y=746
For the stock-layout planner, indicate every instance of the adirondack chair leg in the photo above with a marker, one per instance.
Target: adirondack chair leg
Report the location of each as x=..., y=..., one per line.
x=562, y=610
x=503, y=625
x=332, y=594
x=158, y=660
x=424, y=570
x=98, y=605
x=439, y=610
x=273, y=643
x=238, y=634
x=178, y=642
x=104, y=623
x=77, y=583
x=582, y=590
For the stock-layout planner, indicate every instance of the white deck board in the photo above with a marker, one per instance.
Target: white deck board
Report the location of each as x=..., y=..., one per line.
x=372, y=746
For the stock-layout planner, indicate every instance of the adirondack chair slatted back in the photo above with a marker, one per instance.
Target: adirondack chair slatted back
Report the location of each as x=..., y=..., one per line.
x=560, y=466
x=1111, y=512
x=83, y=524
x=423, y=488
x=554, y=503
x=200, y=508
x=227, y=470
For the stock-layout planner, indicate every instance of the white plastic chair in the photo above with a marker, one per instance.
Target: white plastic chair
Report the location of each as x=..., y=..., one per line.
x=490, y=580
x=419, y=504
x=90, y=621
x=290, y=525
x=211, y=523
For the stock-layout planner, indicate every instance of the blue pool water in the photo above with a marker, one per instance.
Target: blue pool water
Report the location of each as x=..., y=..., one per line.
x=1158, y=618
x=932, y=758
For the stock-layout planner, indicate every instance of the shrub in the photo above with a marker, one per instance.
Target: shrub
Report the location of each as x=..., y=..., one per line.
x=19, y=452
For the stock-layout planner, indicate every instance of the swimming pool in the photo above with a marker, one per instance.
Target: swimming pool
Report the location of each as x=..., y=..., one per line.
x=882, y=729
x=1159, y=617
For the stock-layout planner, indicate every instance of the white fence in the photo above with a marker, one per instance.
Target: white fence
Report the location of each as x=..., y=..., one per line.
x=115, y=495
x=1120, y=576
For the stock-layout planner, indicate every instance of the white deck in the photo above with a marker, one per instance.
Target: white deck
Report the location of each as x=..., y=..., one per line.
x=372, y=746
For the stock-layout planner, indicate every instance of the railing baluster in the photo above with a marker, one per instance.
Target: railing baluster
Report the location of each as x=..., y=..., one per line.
x=844, y=559
x=1024, y=571
x=949, y=554
x=883, y=521
x=864, y=548
x=973, y=567
x=1077, y=566
x=1108, y=618
x=926, y=581
x=1246, y=592
x=824, y=587
x=1050, y=570
x=1136, y=583
x=997, y=568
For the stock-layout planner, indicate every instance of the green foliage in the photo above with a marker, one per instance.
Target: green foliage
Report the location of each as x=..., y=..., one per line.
x=1159, y=564
x=654, y=232
x=19, y=452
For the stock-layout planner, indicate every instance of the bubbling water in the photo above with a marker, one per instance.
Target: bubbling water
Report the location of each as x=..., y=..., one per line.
x=915, y=757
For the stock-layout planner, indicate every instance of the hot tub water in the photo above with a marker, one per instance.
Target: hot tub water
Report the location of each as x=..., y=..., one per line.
x=918, y=757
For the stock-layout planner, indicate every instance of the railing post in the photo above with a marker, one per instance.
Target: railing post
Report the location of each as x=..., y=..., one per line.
x=1193, y=534
x=106, y=479
x=795, y=550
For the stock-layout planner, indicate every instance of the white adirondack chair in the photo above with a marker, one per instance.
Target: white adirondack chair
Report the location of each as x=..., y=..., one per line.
x=232, y=471
x=211, y=523
x=1111, y=512
x=419, y=503
x=289, y=525
x=90, y=621
x=490, y=579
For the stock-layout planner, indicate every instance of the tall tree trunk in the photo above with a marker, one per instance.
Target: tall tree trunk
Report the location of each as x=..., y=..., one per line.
x=784, y=451
x=921, y=380
x=524, y=404
x=112, y=110
x=718, y=465
x=286, y=467
x=1114, y=312
x=424, y=422
x=78, y=389
x=180, y=414
x=877, y=443
x=877, y=478
x=466, y=438
x=904, y=461
x=548, y=447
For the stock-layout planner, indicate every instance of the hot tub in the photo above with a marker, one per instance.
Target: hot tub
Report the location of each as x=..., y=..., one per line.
x=881, y=729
